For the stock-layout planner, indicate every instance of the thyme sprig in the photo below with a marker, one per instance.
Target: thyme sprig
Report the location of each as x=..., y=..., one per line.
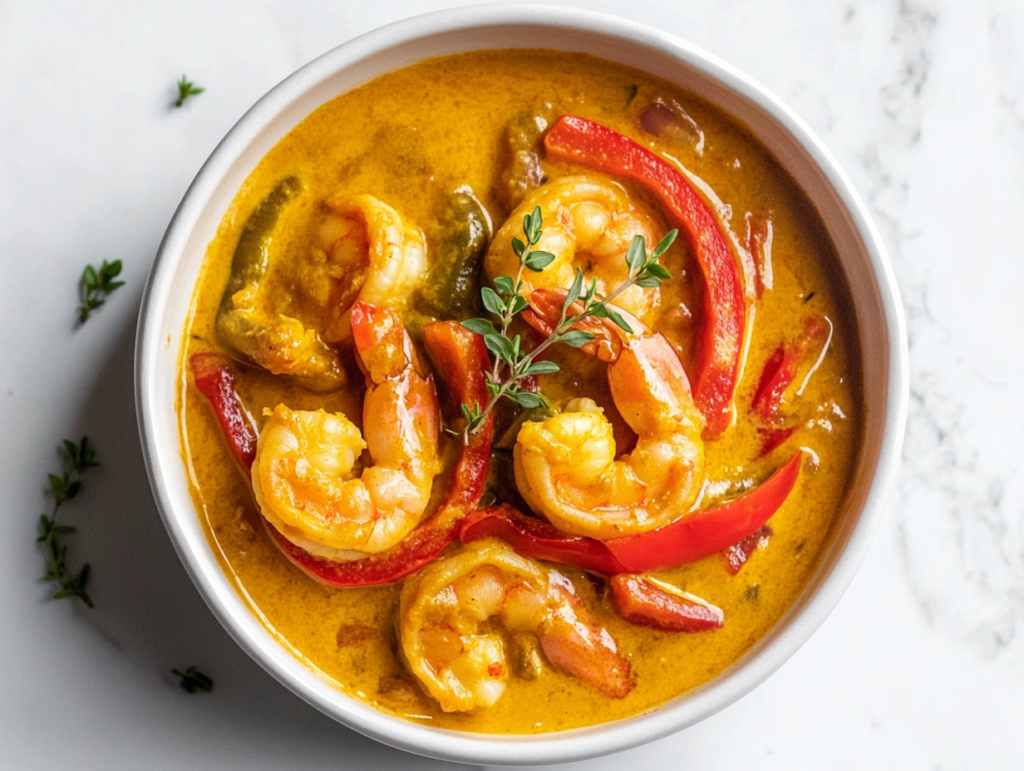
x=186, y=88
x=511, y=363
x=194, y=681
x=78, y=458
x=95, y=286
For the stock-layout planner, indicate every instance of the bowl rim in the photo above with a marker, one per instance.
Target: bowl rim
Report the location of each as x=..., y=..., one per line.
x=554, y=747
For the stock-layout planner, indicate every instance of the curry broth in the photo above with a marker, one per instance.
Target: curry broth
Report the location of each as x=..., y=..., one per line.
x=410, y=138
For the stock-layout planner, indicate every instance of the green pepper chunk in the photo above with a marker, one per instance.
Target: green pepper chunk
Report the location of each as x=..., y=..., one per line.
x=451, y=290
x=254, y=335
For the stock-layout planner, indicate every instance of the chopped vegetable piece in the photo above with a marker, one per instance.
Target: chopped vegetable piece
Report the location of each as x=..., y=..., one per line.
x=661, y=118
x=736, y=556
x=450, y=288
x=643, y=603
x=782, y=367
x=216, y=381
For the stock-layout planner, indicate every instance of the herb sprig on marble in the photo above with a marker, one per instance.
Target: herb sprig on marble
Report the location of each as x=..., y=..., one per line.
x=95, y=286
x=512, y=364
x=65, y=486
x=186, y=88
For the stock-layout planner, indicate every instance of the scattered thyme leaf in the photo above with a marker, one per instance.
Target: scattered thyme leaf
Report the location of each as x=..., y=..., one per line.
x=186, y=89
x=95, y=286
x=194, y=681
x=78, y=458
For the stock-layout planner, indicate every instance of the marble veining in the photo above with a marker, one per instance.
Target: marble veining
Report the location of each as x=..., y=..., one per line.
x=957, y=506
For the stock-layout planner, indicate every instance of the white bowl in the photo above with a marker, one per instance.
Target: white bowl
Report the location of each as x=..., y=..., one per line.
x=861, y=253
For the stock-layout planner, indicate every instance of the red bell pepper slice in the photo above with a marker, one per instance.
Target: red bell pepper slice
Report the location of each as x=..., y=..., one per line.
x=216, y=381
x=688, y=539
x=781, y=368
x=642, y=603
x=461, y=360
x=736, y=556
x=576, y=139
x=532, y=537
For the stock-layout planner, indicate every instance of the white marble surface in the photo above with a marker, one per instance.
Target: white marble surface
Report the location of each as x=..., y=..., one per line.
x=922, y=664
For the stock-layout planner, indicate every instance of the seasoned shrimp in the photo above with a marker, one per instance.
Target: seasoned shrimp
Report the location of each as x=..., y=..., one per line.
x=304, y=474
x=368, y=253
x=458, y=654
x=589, y=223
x=565, y=466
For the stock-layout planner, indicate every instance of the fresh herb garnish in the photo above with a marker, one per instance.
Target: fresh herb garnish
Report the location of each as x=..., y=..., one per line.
x=511, y=363
x=186, y=89
x=194, y=681
x=95, y=286
x=78, y=458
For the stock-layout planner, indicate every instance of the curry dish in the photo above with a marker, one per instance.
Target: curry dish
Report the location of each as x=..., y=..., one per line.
x=658, y=479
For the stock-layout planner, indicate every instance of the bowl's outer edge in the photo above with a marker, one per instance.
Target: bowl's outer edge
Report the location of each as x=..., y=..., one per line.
x=286, y=666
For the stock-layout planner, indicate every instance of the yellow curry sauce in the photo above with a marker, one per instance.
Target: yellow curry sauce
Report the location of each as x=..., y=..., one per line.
x=411, y=138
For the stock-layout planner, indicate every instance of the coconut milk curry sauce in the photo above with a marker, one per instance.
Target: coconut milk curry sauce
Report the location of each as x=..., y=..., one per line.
x=452, y=145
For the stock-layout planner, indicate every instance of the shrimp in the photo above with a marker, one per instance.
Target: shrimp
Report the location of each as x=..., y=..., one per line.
x=304, y=475
x=565, y=466
x=588, y=223
x=457, y=653
x=367, y=253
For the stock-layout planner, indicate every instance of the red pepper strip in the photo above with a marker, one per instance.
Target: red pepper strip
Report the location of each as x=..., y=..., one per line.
x=642, y=603
x=781, y=368
x=216, y=381
x=736, y=556
x=591, y=144
x=461, y=360
x=532, y=537
x=688, y=539
x=705, y=532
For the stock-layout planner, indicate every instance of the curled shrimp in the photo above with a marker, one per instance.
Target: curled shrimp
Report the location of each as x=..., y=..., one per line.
x=566, y=466
x=367, y=252
x=589, y=223
x=304, y=474
x=459, y=655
